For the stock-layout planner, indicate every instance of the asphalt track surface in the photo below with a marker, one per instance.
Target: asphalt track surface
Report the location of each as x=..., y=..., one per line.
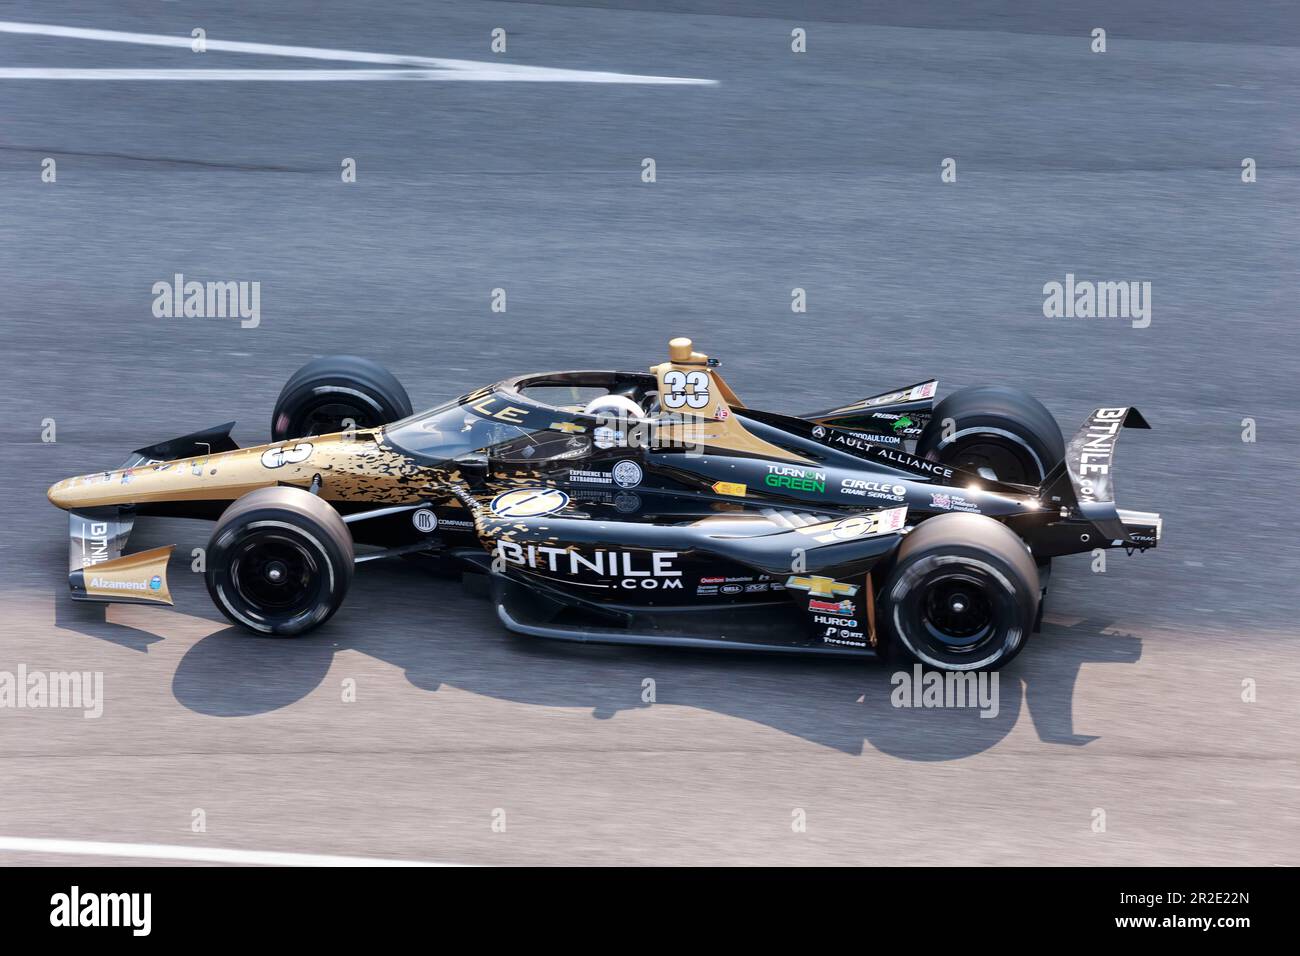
x=818, y=171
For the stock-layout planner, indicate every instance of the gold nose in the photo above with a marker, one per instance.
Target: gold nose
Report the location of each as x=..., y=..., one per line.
x=59, y=496
x=66, y=494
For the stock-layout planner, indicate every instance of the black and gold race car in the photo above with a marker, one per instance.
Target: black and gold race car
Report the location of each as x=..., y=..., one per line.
x=634, y=507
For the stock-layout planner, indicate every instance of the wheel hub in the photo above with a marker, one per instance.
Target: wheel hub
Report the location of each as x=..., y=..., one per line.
x=275, y=573
x=956, y=610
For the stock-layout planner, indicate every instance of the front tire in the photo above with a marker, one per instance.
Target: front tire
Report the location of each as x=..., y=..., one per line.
x=963, y=594
x=279, y=562
x=327, y=393
x=1000, y=433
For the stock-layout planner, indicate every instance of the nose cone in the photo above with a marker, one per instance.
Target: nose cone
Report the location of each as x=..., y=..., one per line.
x=60, y=494
x=89, y=491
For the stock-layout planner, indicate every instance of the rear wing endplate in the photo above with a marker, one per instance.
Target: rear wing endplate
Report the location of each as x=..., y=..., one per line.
x=1084, y=480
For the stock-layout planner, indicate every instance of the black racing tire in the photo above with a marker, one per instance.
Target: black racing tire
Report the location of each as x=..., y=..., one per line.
x=963, y=594
x=1001, y=429
x=321, y=396
x=279, y=562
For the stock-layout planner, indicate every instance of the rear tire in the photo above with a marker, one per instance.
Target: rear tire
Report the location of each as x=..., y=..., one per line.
x=963, y=594
x=1003, y=430
x=327, y=393
x=279, y=562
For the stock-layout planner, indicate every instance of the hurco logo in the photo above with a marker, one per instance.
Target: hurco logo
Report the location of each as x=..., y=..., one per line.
x=796, y=479
x=835, y=622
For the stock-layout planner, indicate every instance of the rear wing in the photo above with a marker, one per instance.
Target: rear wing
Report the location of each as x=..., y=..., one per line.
x=1084, y=480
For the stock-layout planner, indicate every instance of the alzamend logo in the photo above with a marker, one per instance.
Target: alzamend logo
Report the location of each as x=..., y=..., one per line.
x=796, y=479
x=74, y=908
x=105, y=584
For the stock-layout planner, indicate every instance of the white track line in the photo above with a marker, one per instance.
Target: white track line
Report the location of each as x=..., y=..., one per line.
x=488, y=74
x=197, y=854
x=436, y=68
x=263, y=76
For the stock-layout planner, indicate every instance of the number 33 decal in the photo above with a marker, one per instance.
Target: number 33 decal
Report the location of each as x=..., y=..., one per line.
x=678, y=382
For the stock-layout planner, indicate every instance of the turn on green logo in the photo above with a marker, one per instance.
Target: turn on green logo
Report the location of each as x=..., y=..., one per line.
x=796, y=479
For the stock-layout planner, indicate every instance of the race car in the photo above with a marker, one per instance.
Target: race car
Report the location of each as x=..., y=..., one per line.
x=634, y=507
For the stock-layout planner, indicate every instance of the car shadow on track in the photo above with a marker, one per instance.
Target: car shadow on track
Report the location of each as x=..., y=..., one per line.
x=457, y=642
x=90, y=619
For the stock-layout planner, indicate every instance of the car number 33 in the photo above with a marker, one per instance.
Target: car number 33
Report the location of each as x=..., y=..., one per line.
x=678, y=383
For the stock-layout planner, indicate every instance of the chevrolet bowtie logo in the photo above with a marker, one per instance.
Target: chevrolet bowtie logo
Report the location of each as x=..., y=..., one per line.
x=819, y=586
x=569, y=427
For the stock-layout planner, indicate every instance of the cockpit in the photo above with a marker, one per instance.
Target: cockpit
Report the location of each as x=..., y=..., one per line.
x=536, y=418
